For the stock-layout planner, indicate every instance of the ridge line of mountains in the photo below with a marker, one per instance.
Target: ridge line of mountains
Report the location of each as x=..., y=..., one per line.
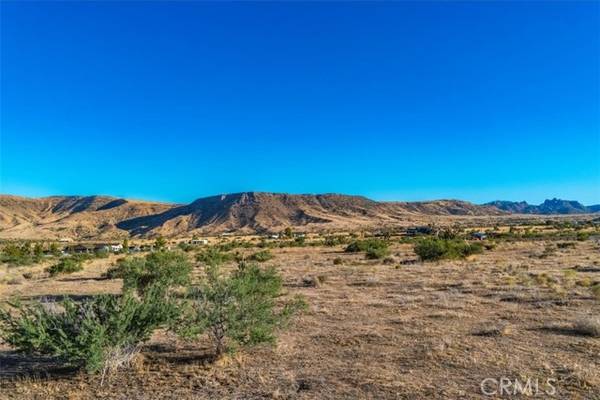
x=98, y=217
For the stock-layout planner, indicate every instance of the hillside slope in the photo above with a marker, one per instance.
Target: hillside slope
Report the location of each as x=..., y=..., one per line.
x=83, y=217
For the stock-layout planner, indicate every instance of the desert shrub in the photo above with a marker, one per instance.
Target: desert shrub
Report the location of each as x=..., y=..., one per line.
x=374, y=248
x=18, y=255
x=261, y=256
x=185, y=246
x=96, y=333
x=237, y=310
x=167, y=268
x=101, y=253
x=66, y=265
x=583, y=236
x=437, y=249
x=566, y=245
x=300, y=241
x=364, y=245
x=213, y=255
x=234, y=244
x=588, y=326
x=264, y=244
x=338, y=261
x=449, y=233
x=376, y=253
x=334, y=240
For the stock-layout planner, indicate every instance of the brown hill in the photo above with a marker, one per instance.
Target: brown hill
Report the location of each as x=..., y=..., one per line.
x=108, y=217
x=83, y=217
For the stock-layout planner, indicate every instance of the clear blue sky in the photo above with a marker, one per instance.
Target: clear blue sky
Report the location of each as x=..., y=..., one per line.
x=395, y=101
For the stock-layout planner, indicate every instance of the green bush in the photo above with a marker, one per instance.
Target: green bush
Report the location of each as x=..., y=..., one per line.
x=261, y=256
x=583, y=236
x=67, y=265
x=374, y=248
x=167, y=268
x=376, y=253
x=183, y=246
x=99, y=334
x=237, y=310
x=214, y=255
x=438, y=249
x=18, y=255
x=335, y=240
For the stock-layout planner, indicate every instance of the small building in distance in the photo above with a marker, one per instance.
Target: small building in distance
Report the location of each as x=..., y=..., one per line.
x=198, y=241
x=79, y=249
x=108, y=247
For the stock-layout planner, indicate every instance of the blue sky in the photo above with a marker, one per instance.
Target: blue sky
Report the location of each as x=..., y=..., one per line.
x=395, y=101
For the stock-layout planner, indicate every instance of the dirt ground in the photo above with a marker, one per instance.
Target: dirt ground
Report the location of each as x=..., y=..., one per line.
x=395, y=330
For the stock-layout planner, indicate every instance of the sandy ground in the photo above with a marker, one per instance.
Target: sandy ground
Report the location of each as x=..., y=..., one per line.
x=399, y=330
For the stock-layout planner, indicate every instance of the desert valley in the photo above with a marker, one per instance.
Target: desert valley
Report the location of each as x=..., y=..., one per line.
x=439, y=300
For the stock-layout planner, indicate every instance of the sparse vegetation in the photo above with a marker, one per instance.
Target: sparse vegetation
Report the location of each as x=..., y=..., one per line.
x=373, y=248
x=583, y=236
x=367, y=295
x=66, y=265
x=437, y=249
x=261, y=256
x=21, y=254
x=214, y=255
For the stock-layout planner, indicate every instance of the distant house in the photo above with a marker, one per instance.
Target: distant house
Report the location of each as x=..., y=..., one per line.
x=479, y=236
x=198, y=241
x=274, y=236
x=79, y=249
x=115, y=248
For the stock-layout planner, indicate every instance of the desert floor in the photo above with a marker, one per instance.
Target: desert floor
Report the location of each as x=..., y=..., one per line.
x=374, y=330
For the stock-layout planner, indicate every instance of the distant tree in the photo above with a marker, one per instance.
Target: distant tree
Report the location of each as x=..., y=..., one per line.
x=288, y=232
x=239, y=309
x=125, y=245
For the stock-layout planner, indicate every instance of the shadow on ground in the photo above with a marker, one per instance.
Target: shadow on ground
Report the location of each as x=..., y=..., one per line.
x=15, y=365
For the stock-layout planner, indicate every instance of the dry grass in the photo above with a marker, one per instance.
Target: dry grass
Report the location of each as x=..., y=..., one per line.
x=404, y=331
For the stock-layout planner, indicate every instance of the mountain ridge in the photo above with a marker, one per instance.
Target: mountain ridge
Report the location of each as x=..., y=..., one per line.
x=98, y=217
x=548, y=207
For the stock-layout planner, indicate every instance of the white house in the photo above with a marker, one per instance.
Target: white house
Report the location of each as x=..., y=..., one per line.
x=115, y=248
